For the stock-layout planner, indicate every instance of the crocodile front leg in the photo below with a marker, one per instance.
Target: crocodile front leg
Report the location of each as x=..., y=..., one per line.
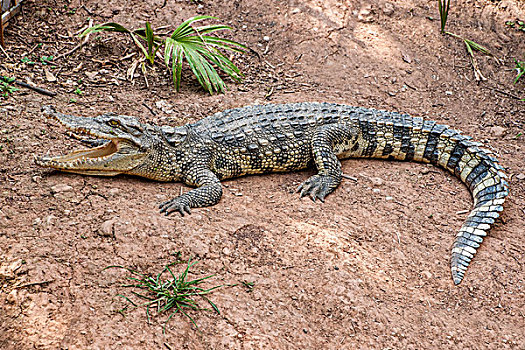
x=208, y=192
x=323, y=144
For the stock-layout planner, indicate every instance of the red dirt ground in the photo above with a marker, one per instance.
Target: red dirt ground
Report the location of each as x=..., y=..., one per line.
x=359, y=271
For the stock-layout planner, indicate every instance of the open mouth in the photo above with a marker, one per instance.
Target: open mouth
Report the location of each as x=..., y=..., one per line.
x=84, y=156
x=115, y=155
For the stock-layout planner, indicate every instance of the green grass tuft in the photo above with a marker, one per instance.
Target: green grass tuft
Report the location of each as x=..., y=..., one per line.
x=443, y=7
x=471, y=46
x=168, y=292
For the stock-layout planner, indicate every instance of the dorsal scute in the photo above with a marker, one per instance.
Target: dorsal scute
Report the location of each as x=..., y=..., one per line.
x=174, y=135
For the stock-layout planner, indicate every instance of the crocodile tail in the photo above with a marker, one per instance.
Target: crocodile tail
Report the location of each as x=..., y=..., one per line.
x=399, y=136
x=479, y=170
x=486, y=179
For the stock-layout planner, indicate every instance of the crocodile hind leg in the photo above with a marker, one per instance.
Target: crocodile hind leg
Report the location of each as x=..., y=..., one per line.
x=323, y=144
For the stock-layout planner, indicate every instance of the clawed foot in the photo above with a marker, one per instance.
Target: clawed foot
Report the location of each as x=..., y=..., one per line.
x=317, y=186
x=180, y=204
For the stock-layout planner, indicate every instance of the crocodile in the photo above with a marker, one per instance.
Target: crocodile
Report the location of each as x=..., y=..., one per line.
x=280, y=138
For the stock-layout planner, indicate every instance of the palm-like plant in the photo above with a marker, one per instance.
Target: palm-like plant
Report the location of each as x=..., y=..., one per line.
x=187, y=43
x=201, y=51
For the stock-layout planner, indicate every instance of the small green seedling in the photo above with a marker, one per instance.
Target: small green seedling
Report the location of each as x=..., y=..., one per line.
x=27, y=60
x=168, y=292
x=46, y=59
x=78, y=91
x=519, y=25
x=187, y=43
x=5, y=87
x=520, y=68
x=249, y=285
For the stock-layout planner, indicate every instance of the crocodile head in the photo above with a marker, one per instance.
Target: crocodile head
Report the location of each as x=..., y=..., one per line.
x=128, y=150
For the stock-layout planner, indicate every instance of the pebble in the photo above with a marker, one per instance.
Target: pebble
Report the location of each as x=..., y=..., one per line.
x=389, y=198
x=164, y=106
x=114, y=191
x=61, y=188
x=426, y=274
x=365, y=14
x=376, y=190
x=388, y=9
x=7, y=271
x=266, y=38
x=226, y=251
x=107, y=228
x=377, y=181
x=12, y=296
x=498, y=131
x=520, y=176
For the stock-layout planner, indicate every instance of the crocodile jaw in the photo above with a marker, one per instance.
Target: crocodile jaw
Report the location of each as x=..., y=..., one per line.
x=118, y=156
x=115, y=157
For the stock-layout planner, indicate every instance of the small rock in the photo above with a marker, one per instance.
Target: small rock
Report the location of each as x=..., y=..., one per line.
x=12, y=296
x=498, y=131
x=389, y=198
x=164, y=106
x=114, y=191
x=377, y=181
x=449, y=93
x=49, y=76
x=226, y=251
x=61, y=188
x=91, y=75
x=388, y=9
x=7, y=271
x=107, y=229
x=426, y=274
x=296, y=10
x=266, y=38
x=406, y=57
x=365, y=14
x=376, y=190
x=200, y=248
x=520, y=176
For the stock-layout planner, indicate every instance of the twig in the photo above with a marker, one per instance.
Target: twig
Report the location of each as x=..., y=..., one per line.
x=34, y=88
x=349, y=177
x=269, y=93
x=507, y=94
x=149, y=108
x=78, y=46
x=31, y=51
x=87, y=10
x=5, y=53
x=398, y=239
x=2, y=44
x=34, y=284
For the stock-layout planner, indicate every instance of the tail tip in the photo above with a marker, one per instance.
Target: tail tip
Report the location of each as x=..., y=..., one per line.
x=457, y=277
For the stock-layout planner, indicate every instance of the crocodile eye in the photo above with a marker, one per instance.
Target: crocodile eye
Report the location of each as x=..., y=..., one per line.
x=114, y=122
